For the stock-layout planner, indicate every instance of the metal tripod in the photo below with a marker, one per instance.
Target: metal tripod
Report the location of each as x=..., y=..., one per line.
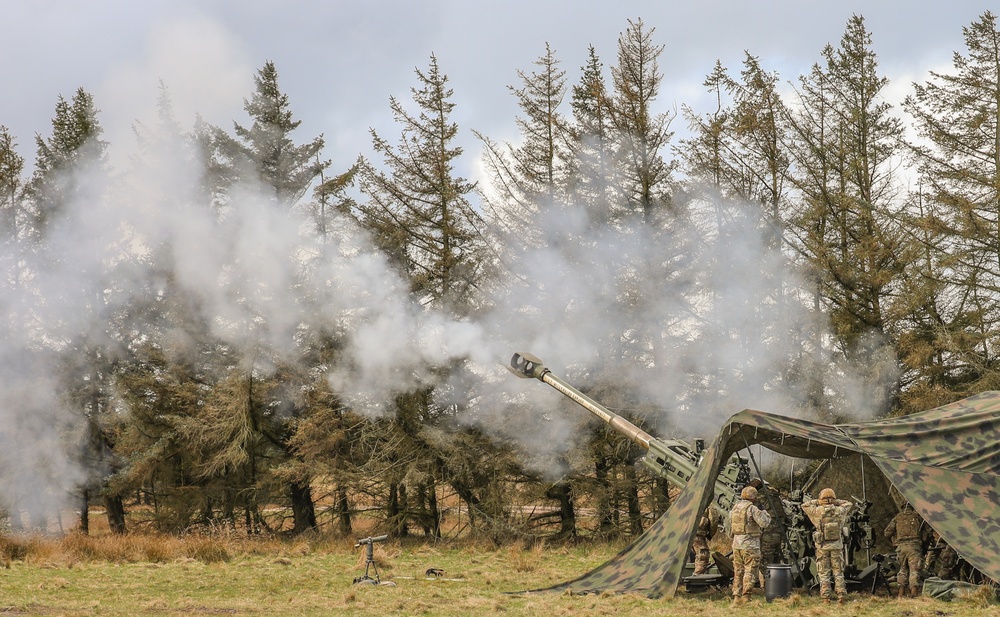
x=369, y=561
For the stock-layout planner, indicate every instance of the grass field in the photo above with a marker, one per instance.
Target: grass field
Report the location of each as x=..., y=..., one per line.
x=209, y=576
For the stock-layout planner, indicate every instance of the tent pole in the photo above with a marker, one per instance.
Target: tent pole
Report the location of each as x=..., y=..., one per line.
x=864, y=496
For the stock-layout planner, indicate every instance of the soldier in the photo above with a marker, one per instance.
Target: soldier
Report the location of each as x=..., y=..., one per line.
x=747, y=521
x=829, y=515
x=707, y=527
x=770, y=538
x=906, y=531
x=940, y=559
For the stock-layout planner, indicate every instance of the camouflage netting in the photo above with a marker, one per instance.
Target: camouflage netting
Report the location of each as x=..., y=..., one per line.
x=945, y=461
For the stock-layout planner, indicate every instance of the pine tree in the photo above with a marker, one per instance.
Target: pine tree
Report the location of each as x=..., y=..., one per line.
x=593, y=176
x=847, y=145
x=419, y=213
x=530, y=177
x=417, y=209
x=11, y=180
x=761, y=134
x=957, y=115
x=264, y=152
x=74, y=148
x=166, y=374
x=705, y=156
x=68, y=186
x=11, y=189
x=640, y=132
x=265, y=156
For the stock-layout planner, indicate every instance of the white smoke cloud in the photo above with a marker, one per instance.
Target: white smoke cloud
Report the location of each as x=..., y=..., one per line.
x=257, y=277
x=207, y=69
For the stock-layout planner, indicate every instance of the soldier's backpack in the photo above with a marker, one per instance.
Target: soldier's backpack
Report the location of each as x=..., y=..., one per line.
x=741, y=521
x=830, y=525
x=907, y=526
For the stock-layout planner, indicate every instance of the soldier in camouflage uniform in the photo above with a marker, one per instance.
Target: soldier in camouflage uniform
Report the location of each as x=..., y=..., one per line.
x=747, y=522
x=829, y=515
x=907, y=531
x=770, y=538
x=706, y=530
x=941, y=558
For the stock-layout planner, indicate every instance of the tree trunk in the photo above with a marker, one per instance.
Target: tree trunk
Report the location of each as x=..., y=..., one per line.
x=602, y=497
x=115, y=508
x=661, y=496
x=563, y=493
x=632, y=500
x=423, y=513
x=343, y=511
x=207, y=511
x=404, y=512
x=396, y=510
x=85, y=512
x=434, y=512
x=229, y=508
x=430, y=517
x=303, y=510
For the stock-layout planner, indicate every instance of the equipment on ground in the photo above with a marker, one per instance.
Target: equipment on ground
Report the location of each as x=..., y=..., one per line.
x=369, y=561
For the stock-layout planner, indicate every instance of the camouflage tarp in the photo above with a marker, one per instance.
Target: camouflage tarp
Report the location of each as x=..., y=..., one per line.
x=945, y=461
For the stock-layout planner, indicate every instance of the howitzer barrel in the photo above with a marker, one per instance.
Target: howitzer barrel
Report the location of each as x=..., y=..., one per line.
x=527, y=365
x=672, y=460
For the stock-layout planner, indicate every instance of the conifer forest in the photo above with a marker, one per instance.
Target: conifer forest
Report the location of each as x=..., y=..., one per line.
x=229, y=331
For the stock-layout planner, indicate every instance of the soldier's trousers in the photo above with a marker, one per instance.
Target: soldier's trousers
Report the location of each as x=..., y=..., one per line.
x=770, y=552
x=702, y=554
x=746, y=568
x=830, y=569
x=910, y=559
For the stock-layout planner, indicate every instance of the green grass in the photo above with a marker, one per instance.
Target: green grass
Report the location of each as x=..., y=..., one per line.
x=316, y=578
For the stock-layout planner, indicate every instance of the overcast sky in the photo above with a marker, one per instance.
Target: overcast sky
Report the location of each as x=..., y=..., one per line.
x=339, y=61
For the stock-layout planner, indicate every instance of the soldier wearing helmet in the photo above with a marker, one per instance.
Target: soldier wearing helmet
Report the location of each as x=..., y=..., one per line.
x=747, y=522
x=829, y=515
x=907, y=532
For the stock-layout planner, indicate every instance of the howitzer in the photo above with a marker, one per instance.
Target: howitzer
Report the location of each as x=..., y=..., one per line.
x=676, y=462
x=671, y=459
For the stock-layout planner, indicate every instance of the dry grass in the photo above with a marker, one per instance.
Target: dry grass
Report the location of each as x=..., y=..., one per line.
x=525, y=558
x=203, y=574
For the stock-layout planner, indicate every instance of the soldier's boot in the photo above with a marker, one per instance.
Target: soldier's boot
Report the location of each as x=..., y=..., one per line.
x=901, y=593
x=914, y=592
x=841, y=599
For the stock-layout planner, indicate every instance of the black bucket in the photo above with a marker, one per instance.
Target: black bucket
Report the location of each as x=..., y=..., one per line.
x=778, y=583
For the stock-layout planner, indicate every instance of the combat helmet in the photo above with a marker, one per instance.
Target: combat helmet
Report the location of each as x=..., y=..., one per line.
x=827, y=494
x=749, y=493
